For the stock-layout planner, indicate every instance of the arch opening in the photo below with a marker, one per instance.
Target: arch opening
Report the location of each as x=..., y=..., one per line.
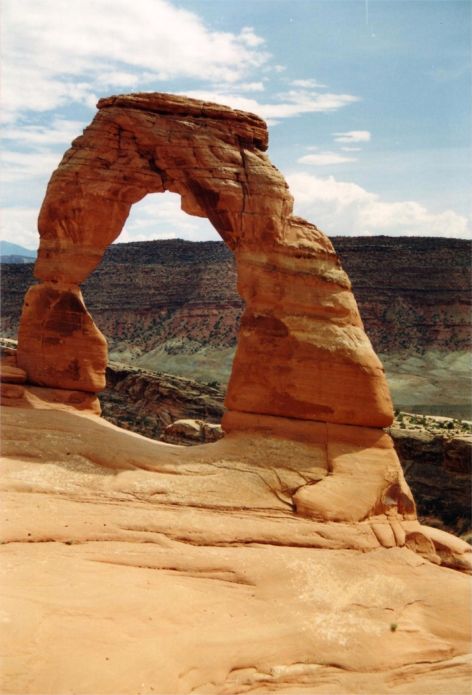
x=169, y=309
x=173, y=307
x=160, y=216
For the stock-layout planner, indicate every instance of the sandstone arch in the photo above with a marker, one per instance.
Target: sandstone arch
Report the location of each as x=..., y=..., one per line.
x=302, y=351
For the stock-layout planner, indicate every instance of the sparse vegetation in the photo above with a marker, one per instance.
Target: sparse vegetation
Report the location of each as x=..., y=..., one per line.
x=447, y=427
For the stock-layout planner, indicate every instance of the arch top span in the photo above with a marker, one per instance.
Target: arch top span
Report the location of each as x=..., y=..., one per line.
x=247, y=125
x=211, y=155
x=302, y=351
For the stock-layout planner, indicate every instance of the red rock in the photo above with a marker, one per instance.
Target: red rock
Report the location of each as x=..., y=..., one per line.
x=302, y=351
x=11, y=374
x=59, y=344
x=246, y=564
x=189, y=432
x=11, y=391
x=207, y=575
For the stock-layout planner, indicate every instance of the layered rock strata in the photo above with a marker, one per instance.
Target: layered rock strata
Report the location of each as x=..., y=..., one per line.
x=438, y=469
x=302, y=351
x=303, y=360
x=147, y=403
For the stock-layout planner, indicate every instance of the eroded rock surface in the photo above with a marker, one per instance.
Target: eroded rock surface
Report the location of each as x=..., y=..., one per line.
x=175, y=570
x=191, y=432
x=438, y=470
x=147, y=402
x=302, y=351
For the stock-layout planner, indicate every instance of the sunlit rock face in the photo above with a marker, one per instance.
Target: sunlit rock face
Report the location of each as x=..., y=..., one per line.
x=302, y=351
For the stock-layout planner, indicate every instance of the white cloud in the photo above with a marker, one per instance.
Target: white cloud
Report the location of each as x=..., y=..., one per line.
x=307, y=84
x=341, y=207
x=293, y=103
x=350, y=149
x=54, y=52
x=19, y=225
x=305, y=101
x=353, y=136
x=158, y=216
x=250, y=38
x=337, y=207
x=32, y=152
x=251, y=86
x=27, y=166
x=59, y=132
x=121, y=78
x=234, y=88
x=324, y=159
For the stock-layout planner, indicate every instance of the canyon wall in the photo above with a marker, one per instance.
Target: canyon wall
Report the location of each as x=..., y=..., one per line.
x=172, y=306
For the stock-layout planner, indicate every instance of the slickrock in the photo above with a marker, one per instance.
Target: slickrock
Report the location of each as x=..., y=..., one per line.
x=286, y=556
x=133, y=566
x=15, y=393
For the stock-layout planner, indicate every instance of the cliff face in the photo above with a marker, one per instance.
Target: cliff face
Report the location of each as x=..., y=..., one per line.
x=438, y=470
x=414, y=293
x=180, y=295
x=173, y=306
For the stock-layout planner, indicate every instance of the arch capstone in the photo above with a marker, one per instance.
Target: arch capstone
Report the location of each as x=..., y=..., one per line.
x=302, y=351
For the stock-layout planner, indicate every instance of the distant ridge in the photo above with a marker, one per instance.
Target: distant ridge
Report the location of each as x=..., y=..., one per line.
x=14, y=253
x=171, y=305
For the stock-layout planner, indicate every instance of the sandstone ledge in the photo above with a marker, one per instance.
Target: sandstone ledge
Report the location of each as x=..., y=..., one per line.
x=175, y=570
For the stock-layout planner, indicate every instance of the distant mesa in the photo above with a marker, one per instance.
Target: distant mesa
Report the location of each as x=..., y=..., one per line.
x=172, y=306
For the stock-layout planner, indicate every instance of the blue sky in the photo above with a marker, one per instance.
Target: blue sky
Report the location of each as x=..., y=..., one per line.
x=368, y=101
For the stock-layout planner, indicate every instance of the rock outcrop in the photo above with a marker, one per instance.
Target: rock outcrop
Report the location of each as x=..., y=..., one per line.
x=286, y=553
x=191, y=432
x=438, y=470
x=435, y=453
x=147, y=403
x=133, y=566
x=302, y=351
